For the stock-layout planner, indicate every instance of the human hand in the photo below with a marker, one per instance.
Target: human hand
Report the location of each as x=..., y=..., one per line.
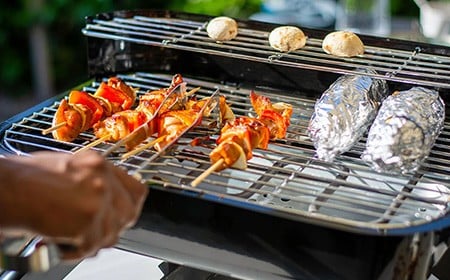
x=80, y=200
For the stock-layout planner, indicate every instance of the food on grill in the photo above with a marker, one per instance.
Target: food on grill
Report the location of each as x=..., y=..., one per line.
x=276, y=116
x=123, y=123
x=343, y=43
x=287, y=38
x=250, y=133
x=97, y=110
x=117, y=94
x=239, y=137
x=172, y=124
x=157, y=112
x=69, y=120
x=237, y=141
x=120, y=125
x=82, y=110
x=404, y=131
x=344, y=112
x=222, y=29
x=225, y=112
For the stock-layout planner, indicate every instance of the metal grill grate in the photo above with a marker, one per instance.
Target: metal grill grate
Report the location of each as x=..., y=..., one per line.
x=284, y=180
x=412, y=66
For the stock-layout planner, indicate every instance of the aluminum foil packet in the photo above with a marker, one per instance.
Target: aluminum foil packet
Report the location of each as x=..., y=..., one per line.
x=404, y=131
x=344, y=112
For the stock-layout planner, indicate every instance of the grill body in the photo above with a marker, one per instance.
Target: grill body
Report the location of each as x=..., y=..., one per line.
x=247, y=244
x=287, y=217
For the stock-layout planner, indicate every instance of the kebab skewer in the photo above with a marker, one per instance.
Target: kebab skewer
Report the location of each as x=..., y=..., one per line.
x=172, y=124
x=138, y=122
x=81, y=110
x=241, y=136
x=121, y=122
x=179, y=130
x=133, y=127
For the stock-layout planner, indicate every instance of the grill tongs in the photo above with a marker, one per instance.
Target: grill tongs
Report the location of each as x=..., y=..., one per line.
x=31, y=253
x=27, y=253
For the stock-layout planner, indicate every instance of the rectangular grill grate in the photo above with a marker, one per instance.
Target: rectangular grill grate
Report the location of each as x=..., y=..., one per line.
x=412, y=66
x=284, y=180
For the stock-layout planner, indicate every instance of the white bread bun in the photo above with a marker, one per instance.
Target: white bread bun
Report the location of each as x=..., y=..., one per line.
x=222, y=29
x=287, y=38
x=343, y=43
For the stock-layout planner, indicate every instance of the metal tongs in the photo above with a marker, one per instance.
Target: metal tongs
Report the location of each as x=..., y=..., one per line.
x=27, y=253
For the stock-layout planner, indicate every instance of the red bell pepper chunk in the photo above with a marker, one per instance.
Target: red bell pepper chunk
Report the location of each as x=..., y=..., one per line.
x=83, y=98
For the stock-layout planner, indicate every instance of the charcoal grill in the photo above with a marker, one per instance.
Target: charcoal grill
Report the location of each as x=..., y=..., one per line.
x=288, y=215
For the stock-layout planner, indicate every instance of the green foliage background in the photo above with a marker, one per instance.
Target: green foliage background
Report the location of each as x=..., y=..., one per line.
x=64, y=20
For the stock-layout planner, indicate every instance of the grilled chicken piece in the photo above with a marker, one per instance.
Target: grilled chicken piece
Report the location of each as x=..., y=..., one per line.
x=74, y=118
x=172, y=123
x=119, y=95
x=119, y=125
x=151, y=101
x=225, y=112
x=248, y=134
x=118, y=84
x=275, y=116
x=232, y=154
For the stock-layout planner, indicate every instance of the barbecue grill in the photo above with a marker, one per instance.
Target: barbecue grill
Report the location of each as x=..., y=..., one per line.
x=288, y=215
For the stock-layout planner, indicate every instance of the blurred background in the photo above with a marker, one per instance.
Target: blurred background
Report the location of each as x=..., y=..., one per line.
x=43, y=52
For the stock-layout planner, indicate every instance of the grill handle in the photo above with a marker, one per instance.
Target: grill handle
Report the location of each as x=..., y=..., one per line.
x=28, y=254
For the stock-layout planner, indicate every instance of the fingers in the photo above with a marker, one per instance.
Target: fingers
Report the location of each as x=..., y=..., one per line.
x=127, y=198
x=137, y=190
x=71, y=253
x=104, y=201
x=128, y=194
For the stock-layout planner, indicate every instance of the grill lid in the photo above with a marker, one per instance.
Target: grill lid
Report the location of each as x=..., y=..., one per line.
x=285, y=180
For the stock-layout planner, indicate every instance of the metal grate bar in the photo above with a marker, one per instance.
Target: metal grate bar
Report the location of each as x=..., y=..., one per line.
x=412, y=66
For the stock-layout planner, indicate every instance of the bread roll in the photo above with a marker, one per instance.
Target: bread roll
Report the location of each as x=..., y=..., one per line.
x=287, y=38
x=222, y=29
x=343, y=43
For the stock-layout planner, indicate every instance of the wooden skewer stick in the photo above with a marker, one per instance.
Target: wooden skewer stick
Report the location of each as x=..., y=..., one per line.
x=94, y=143
x=192, y=91
x=53, y=128
x=206, y=173
x=143, y=147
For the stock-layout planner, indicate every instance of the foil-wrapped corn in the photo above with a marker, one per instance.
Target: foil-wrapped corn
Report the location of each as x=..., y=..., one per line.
x=344, y=112
x=404, y=131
